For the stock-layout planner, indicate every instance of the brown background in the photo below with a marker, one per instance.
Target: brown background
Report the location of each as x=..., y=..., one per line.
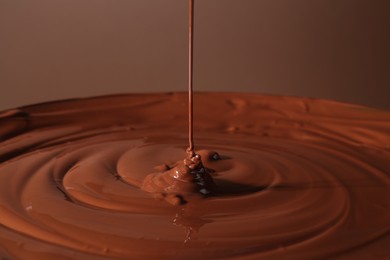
x=56, y=49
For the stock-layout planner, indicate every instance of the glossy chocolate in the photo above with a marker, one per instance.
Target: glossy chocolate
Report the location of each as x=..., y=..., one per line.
x=292, y=178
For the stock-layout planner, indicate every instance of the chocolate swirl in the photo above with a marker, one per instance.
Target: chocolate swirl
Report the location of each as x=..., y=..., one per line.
x=296, y=178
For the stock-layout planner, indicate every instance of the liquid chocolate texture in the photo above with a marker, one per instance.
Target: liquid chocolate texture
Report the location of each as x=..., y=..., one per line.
x=293, y=178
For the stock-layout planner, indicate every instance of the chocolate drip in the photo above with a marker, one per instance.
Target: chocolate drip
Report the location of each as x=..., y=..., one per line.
x=191, y=147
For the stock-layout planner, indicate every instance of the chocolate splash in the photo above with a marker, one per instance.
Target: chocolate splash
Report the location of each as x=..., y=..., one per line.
x=295, y=177
x=186, y=178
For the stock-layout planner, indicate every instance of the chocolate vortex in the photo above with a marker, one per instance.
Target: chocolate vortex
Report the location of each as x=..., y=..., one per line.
x=295, y=178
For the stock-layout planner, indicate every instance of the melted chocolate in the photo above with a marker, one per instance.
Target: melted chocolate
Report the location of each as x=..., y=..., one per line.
x=293, y=177
x=190, y=149
x=181, y=181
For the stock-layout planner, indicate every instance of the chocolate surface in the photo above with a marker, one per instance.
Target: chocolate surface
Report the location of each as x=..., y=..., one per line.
x=297, y=178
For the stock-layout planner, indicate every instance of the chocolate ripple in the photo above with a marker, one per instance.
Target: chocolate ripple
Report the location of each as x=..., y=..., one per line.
x=295, y=178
